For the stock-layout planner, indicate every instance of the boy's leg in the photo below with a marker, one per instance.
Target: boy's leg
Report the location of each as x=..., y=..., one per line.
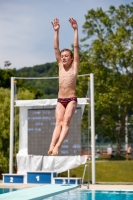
x=59, y=114
x=65, y=125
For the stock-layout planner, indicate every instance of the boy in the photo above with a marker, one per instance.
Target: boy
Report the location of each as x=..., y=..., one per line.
x=67, y=100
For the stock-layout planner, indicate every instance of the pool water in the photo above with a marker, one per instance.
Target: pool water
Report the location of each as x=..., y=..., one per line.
x=5, y=190
x=93, y=195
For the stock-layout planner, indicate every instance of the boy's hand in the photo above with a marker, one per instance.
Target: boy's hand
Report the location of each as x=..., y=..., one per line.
x=73, y=23
x=56, y=24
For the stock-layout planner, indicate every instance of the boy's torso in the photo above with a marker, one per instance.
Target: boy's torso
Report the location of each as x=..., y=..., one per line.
x=67, y=82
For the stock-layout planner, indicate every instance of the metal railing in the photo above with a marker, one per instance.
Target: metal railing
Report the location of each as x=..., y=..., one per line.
x=84, y=175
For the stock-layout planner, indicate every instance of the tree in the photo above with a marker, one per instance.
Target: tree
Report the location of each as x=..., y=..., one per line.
x=5, y=124
x=5, y=76
x=42, y=88
x=108, y=54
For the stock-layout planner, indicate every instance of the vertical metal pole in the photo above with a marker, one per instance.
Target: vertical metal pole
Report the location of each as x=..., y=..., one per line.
x=88, y=177
x=89, y=120
x=92, y=127
x=68, y=176
x=11, y=125
x=126, y=132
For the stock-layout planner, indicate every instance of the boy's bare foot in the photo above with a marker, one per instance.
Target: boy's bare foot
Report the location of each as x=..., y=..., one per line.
x=55, y=150
x=51, y=149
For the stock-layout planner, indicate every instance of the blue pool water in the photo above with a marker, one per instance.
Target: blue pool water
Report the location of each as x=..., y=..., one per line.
x=5, y=190
x=93, y=195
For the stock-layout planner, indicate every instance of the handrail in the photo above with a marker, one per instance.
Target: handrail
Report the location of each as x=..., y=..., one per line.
x=84, y=175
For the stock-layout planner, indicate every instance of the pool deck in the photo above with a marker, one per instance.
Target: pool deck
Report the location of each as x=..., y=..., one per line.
x=98, y=186
x=40, y=191
x=101, y=185
x=113, y=186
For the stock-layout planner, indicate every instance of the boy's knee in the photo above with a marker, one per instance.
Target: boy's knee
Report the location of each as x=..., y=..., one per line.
x=66, y=122
x=58, y=122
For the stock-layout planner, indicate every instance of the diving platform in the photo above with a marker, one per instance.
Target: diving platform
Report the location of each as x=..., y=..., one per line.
x=38, y=192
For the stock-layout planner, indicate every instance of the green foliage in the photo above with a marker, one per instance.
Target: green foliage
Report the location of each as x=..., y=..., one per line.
x=5, y=124
x=23, y=90
x=5, y=77
x=108, y=54
x=41, y=88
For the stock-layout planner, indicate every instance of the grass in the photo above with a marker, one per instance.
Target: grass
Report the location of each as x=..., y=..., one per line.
x=107, y=171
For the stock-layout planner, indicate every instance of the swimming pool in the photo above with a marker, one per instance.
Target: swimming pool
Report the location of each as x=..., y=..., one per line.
x=5, y=190
x=93, y=195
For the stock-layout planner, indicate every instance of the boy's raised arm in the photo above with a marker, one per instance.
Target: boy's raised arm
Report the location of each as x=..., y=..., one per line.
x=56, y=27
x=76, y=45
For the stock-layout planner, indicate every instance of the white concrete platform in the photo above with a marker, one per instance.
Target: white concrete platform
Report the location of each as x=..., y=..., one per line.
x=107, y=187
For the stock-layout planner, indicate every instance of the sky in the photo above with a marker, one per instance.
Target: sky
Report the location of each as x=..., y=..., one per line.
x=26, y=32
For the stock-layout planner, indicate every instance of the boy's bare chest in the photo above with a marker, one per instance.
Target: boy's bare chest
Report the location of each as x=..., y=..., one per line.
x=67, y=76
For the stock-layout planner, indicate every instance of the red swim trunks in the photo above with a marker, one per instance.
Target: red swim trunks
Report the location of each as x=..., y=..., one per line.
x=65, y=101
